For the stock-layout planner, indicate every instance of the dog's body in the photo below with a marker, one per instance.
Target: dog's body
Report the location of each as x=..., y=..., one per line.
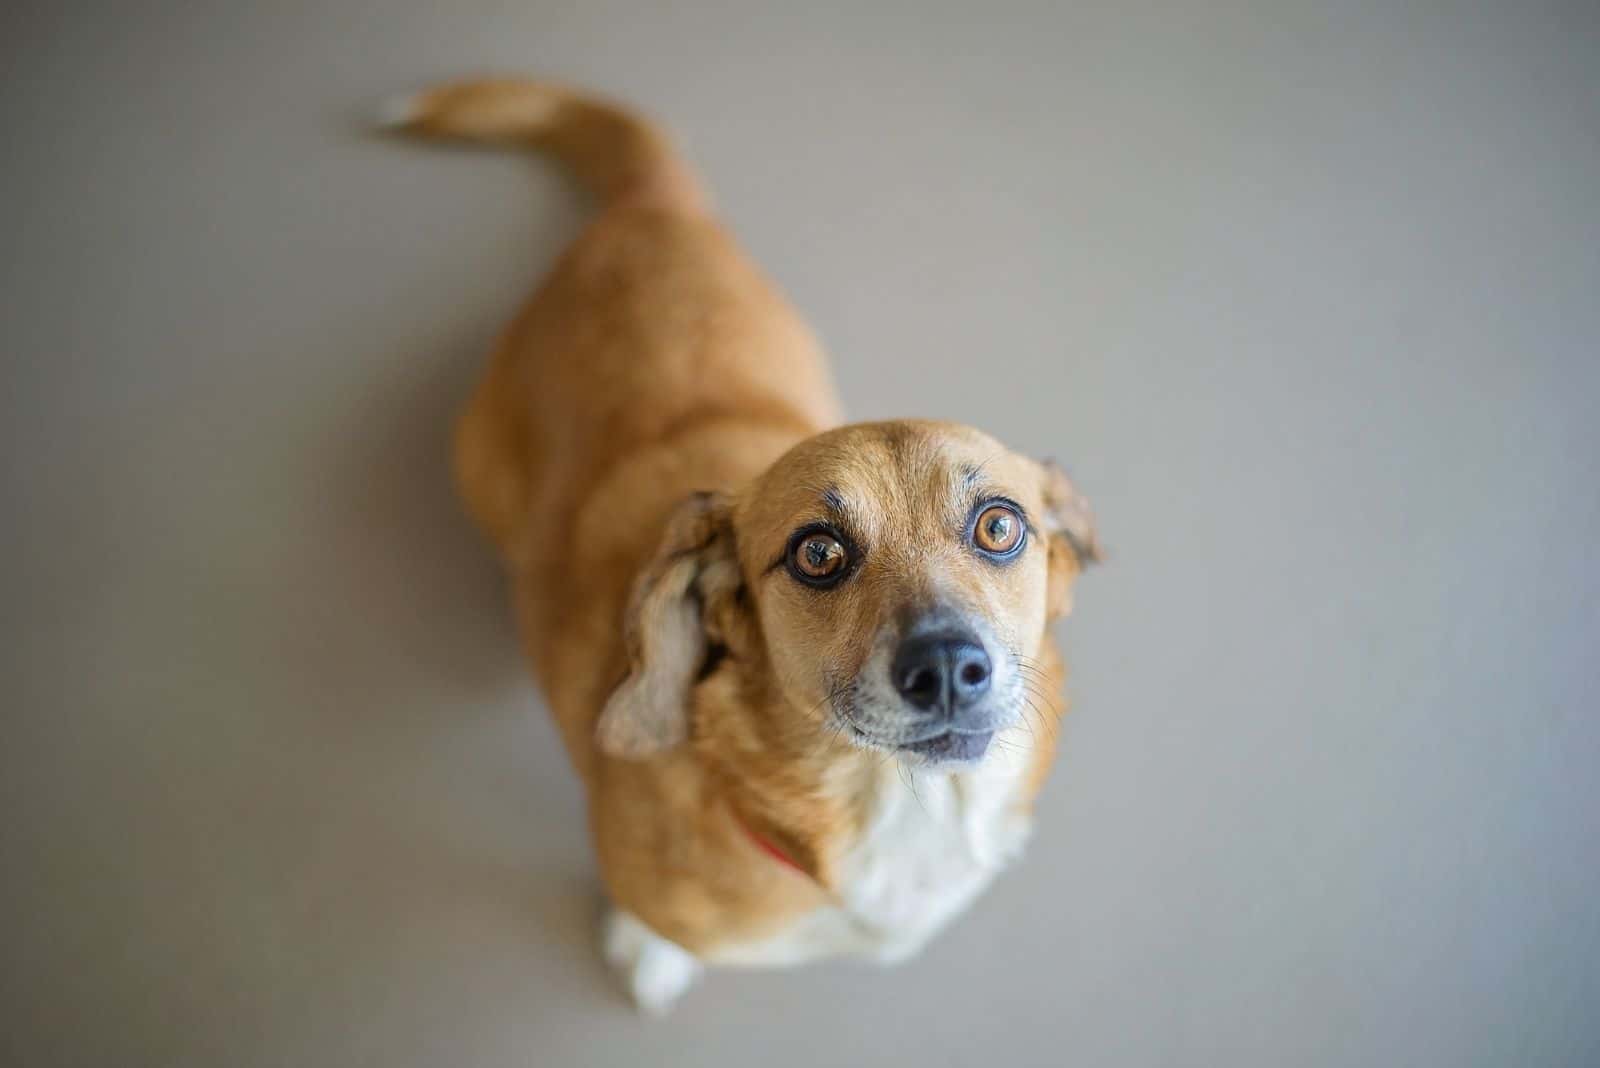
x=736, y=820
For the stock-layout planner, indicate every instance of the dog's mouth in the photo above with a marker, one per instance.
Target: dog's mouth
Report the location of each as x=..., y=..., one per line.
x=952, y=746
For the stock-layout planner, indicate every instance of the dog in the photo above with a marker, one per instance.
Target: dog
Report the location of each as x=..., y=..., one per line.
x=802, y=668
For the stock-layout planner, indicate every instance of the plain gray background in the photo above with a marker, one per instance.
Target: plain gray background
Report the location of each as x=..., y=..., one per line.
x=1307, y=298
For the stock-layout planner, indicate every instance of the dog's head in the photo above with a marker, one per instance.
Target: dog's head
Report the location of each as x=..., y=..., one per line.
x=891, y=580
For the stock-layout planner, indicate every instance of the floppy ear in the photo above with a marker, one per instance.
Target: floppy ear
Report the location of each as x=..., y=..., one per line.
x=1074, y=545
x=664, y=632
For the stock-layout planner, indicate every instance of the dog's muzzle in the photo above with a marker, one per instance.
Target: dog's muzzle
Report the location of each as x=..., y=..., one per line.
x=944, y=676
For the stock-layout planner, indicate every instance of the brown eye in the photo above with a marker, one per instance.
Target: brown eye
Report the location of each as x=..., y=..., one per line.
x=818, y=557
x=998, y=530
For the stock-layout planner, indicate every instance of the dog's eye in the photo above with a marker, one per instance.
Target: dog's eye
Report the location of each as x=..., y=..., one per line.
x=819, y=558
x=998, y=530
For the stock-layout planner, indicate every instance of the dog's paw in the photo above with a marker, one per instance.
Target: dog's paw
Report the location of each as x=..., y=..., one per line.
x=656, y=972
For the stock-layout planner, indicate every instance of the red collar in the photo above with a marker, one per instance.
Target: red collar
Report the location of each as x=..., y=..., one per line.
x=766, y=846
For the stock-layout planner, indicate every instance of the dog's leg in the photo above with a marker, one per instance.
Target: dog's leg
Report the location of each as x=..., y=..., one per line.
x=655, y=971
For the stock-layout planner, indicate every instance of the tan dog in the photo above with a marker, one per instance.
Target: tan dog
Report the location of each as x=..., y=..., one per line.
x=802, y=668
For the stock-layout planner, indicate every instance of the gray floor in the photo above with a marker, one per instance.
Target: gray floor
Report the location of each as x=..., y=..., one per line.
x=1309, y=302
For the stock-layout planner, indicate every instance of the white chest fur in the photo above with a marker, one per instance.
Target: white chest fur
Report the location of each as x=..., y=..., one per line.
x=932, y=843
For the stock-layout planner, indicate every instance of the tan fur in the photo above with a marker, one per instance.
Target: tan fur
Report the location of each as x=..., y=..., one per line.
x=650, y=429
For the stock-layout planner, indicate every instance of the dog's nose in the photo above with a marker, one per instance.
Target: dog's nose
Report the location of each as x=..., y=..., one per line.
x=941, y=672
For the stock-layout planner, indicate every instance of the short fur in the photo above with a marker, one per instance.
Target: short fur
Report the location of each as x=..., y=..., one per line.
x=650, y=430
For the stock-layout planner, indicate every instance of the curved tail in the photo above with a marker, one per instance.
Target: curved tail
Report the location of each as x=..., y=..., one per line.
x=613, y=151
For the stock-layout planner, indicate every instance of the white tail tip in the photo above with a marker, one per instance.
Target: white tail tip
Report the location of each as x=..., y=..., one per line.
x=399, y=110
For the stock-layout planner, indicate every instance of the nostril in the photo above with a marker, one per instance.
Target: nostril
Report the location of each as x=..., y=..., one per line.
x=975, y=673
x=920, y=677
x=920, y=682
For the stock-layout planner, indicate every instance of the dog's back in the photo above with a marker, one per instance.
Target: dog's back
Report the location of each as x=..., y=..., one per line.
x=655, y=360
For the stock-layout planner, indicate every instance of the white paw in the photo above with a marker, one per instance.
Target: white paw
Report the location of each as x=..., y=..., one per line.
x=655, y=971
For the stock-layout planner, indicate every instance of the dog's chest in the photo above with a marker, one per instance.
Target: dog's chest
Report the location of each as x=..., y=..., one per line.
x=932, y=843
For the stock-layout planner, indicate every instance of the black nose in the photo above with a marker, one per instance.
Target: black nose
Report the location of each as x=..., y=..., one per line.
x=941, y=671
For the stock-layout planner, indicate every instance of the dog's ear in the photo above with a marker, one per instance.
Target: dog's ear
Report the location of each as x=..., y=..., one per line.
x=664, y=630
x=1074, y=544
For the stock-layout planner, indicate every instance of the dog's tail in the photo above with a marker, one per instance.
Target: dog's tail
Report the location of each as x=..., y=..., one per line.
x=613, y=151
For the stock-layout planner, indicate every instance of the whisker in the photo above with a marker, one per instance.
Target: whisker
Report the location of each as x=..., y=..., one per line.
x=1035, y=688
x=910, y=779
x=1034, y=737
x=839, y=719
x=1049, y=726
